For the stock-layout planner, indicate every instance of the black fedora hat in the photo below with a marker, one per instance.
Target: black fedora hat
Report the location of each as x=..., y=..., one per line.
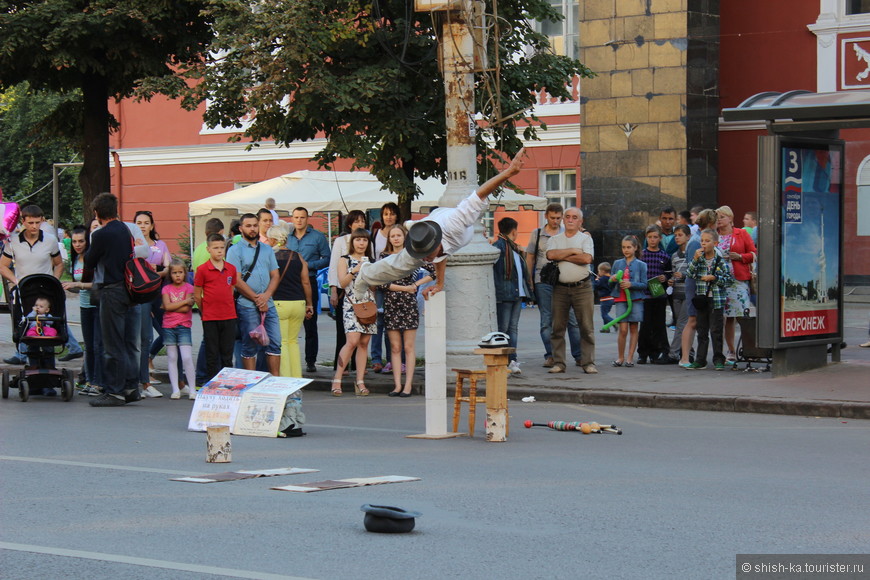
x=386, y=519
x=423, y=237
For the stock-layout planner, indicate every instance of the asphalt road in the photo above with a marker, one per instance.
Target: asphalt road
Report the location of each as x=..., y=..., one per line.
x=86, y=494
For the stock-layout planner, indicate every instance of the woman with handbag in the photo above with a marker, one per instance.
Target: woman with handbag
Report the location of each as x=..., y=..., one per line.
x=360, y=314
x=738, y=250
x=292, y=298
x=152, y=312
x=340, y=246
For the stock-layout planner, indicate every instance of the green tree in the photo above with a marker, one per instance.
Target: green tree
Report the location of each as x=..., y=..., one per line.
x=102, y=49
x=26, y=156
x=366, y=75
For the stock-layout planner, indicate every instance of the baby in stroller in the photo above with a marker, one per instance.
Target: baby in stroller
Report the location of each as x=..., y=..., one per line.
x=39, y=321
x=38, y=311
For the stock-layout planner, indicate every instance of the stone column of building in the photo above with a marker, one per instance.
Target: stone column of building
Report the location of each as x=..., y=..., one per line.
x=649, y=119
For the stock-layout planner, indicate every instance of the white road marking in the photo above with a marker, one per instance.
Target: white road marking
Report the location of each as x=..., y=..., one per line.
x=148, y=562
x=85, y=464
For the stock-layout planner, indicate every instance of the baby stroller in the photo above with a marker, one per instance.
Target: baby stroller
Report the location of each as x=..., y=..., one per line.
x=40, y=373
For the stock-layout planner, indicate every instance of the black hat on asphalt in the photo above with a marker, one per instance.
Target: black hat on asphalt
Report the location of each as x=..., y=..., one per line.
x=386, y=519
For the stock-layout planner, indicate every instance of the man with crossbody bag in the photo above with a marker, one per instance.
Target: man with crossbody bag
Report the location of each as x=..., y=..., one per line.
x=536, y=258
x=259, y=270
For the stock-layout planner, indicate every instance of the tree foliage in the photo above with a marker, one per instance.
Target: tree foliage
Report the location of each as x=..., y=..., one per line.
x=99, y=49
x=26, y=156
x=365, y=74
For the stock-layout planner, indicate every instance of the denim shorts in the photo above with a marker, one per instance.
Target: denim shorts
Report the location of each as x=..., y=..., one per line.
x=177, y=336
x=249, y=319
x=636, y=315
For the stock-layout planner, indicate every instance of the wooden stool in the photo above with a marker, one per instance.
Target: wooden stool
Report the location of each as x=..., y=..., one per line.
x=472, y=399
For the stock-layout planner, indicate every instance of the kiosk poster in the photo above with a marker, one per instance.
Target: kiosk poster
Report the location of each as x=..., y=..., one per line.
x=810, y=252
x=218, y=402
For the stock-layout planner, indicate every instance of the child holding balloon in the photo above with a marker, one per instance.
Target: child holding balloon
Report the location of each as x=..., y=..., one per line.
x=629, y=281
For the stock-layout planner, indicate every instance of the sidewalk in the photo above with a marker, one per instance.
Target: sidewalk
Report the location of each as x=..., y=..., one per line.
x=838, y=390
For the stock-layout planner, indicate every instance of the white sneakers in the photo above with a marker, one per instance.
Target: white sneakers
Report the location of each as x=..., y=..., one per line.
x=514, y=368
x=191, y=393
x=152, y=392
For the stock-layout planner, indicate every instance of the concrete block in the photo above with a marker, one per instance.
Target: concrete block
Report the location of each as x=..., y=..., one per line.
x=631, y=56
x=589, y=140
x=672, y=136
x=632, y=163
x=674, y=186
x=669, y=80
x=666, y=108
x=641, y=82
x=600, y=59
x=855, y=410
x=662, y=6
x=619, y=398
x=666, y=162
x=670, y=25
x=596, y=9
x=632, y=110
x=620, y=84
x=644, y=136
x=666, y=54
x=695, y=402
x=630, y=7
x=611, y=138
x=596, y=32
x=598, y=87
x=600, y=112
x=638, y=26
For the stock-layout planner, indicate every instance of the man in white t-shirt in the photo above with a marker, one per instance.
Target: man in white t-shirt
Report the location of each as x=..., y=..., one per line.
x=574, y=250
x=33, y=251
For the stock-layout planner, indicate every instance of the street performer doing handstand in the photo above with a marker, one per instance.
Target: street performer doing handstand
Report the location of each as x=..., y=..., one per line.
x=437, y=236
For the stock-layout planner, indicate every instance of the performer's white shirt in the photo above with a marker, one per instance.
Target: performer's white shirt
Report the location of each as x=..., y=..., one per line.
x=457, y=223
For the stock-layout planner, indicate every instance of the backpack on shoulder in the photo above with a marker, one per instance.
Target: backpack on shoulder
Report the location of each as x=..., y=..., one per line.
x=142, y=281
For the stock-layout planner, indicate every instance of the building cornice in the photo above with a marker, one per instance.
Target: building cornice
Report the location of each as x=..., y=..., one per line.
x=555, y=136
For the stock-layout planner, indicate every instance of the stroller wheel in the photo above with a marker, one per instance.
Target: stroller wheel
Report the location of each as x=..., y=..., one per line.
x=65, y=374
x=5, y=384
x=23, y=390
x=66, y=390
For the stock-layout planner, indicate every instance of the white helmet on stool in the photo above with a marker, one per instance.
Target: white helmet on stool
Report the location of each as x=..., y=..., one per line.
x=494, y=340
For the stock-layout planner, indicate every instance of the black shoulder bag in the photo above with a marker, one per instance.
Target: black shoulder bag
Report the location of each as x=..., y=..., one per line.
x=248, y=272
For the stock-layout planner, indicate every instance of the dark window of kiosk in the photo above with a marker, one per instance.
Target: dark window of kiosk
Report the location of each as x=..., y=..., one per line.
x=858, y=7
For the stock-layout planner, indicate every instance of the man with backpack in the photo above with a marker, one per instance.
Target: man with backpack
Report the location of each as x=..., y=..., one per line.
x=112, y=246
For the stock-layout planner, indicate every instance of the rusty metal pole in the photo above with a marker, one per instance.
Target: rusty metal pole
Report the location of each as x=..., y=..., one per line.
x=469, y=285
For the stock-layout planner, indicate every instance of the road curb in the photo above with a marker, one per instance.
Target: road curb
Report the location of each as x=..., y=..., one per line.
x=688, y=402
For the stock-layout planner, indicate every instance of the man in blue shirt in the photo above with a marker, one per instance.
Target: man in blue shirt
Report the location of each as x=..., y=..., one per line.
x=261, y=276
x=314, y=249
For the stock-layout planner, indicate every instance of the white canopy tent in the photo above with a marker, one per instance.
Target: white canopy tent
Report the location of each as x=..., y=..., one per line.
x=331, y=191
x=338, y=191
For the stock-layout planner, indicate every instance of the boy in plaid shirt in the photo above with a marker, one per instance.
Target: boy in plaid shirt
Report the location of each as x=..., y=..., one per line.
x=713, y=275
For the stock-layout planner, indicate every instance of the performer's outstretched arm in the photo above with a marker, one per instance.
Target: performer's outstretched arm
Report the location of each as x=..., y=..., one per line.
x=495, y=182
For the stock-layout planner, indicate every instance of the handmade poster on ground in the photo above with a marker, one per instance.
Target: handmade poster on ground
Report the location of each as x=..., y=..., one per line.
x=345, y=483
x=218, y=402
x=243, y=474
x=262, y=406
